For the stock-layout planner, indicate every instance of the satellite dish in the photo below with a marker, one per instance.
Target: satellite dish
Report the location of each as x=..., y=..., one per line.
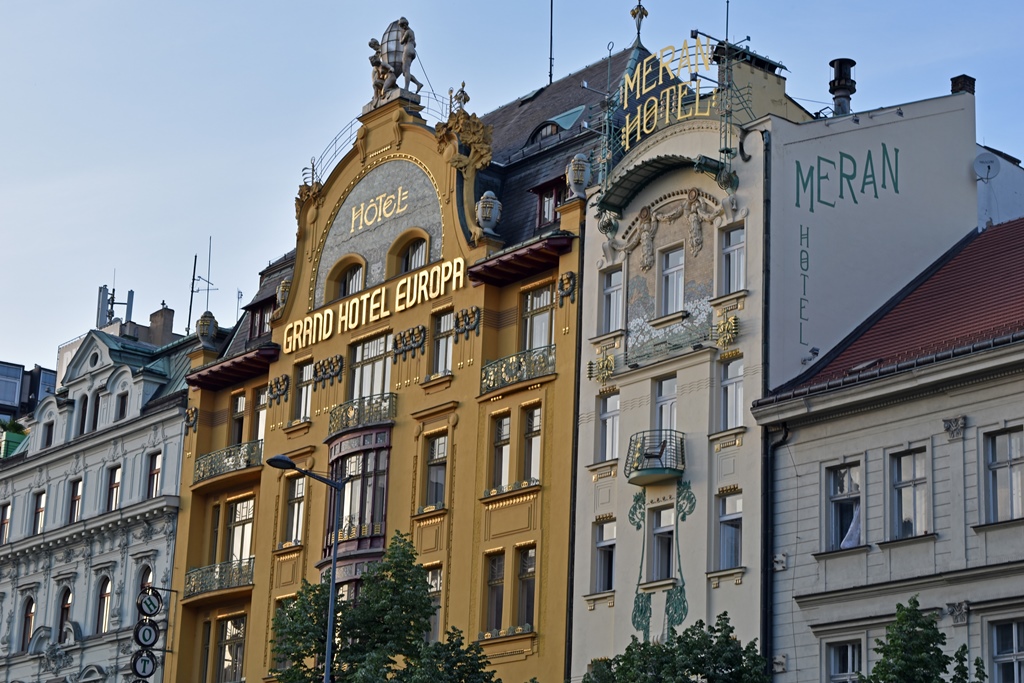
x=986, y=166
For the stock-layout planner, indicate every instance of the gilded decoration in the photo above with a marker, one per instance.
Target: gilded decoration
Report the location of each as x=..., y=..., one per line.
x=601, y=369
x=465, y=132
x=726, y=331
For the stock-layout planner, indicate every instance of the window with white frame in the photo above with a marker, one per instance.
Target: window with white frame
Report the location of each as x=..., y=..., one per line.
x=672, y=281
x=28, y=620
x=732, y=394
x=527, y=585
x=113, y=488
x=74, y=501
x=730, y=531
x=733, y=257
x=604, y=557
x=1004, y=455
x=435, y=578
x=437, y=470
x=64, y=617
x=303, y=391
x=844, y=507
x=262, y=401
x=611, y=308
x=1008, y=652
x=501, y=463
x=495, y=591
x=231, y=650
x=39, y=519
x=909, y=494
x=609, y=444
x=843, y=661
x=414, y=256
x=538, y=317
x=155, y=461
x=122, y=406
x=5, y=523
x=371, y=367
x=665, y=403
x=103, y=606
x=531, y=444
x=662, y=543
x=351, y=281
x=444, y=342
x=240, y=522
x=296, y=503
x=237, y=419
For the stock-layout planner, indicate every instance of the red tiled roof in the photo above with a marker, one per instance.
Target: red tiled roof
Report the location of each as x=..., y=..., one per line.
x=977, y=295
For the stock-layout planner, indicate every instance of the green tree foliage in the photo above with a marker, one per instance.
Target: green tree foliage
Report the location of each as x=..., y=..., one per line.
x=912, y=651
x=704, y=653
x=380, y=634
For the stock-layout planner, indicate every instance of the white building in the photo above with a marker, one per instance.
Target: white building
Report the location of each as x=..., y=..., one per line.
x=88, y=505
x=897, y=469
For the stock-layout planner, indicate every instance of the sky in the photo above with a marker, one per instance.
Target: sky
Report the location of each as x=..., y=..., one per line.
x=137, y=134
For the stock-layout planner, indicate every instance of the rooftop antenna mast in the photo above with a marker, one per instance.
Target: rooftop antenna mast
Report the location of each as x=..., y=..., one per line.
x=551, y=44
x=193, y=289
x=105, y=306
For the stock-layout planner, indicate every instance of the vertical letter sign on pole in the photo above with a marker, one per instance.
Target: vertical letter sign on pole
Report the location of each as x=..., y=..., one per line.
x=147, y=632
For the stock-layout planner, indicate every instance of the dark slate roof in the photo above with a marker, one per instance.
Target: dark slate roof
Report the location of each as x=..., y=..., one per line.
x=515, y=122
x=970, y=300
x=270, y=278
x=170, y=361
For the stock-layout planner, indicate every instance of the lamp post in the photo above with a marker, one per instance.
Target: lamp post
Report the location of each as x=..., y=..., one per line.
x=283, y=462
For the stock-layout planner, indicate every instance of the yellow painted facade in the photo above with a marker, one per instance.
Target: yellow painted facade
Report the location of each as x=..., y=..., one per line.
x=470, y=454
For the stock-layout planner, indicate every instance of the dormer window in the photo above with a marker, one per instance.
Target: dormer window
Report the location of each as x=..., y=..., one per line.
x=546, y=131
x=259, y=320
x=549, y=196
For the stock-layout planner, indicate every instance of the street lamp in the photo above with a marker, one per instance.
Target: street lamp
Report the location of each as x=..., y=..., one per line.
x=283, y=462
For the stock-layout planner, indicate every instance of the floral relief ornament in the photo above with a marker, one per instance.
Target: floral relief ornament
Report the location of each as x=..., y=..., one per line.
x=726, y=331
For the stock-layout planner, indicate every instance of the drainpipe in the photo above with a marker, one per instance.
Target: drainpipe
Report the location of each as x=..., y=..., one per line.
x=767, y=541
x=570, y=584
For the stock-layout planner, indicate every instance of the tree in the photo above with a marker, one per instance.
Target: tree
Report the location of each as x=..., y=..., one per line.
x=380, y=634
x=912, y=651
x=705, y=653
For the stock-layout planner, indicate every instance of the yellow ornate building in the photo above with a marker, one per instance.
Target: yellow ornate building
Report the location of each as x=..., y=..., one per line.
x=422, y=355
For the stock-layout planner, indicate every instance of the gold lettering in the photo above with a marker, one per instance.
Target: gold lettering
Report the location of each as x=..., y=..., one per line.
x=328, y=323
x=703, y=52
x=630, y=130
x=458, y=273
x=363, y=307
x=631, y=83
x=650, y=115
x=357, y=213
x=353, y=314
x=446, y=275
x=421, y=286
x=288, y=338
x=665, y=66
x=342, y=317
x=435, y=282
x=307, y=331
x=318, y=327
x=384, y=312
x=646, y=68
x=375, y=304
x=401, y=294
x=400, y=207
x=387, y=209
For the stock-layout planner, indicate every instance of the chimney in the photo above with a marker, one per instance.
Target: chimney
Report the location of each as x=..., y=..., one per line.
x=842, y=85
x=161, y=326
x=961, y=83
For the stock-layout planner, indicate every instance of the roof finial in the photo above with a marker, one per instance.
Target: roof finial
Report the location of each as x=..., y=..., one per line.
x=638, y=13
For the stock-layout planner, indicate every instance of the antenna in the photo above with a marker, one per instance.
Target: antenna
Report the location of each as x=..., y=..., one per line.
x=199, y=278
x=551, y=44
x=191, y=293
x=105, y=302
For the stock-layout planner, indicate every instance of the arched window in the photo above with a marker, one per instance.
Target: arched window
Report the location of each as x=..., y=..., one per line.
x=103, y=607
x=64, y=618
x=414, y=255
x=351, y=281
x=27, y=623
x=146, y=577
x=94, y=418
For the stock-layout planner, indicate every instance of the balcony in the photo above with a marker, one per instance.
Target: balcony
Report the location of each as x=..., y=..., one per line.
x=519, y=367
x=231, y=459
x=655, y=456
x=364, y=411
x=218, y=577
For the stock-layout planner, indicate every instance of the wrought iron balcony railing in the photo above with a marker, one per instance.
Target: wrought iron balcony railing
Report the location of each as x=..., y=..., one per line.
x=518, y=367
x=230, y=459
x=216, y=577
x=363, y=411
x=655, y=455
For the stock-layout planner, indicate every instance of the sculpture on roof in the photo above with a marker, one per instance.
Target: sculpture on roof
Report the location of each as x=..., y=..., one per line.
x=392, y=57
x=408, y=42
x=382, y=74
x=465, y=132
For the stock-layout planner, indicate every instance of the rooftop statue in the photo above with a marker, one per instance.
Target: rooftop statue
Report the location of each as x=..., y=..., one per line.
x=392, y=57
